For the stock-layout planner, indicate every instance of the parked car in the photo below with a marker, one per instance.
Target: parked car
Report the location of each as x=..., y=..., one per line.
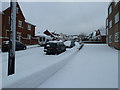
x=54, y=47
x=19, y=46
x=69, y=44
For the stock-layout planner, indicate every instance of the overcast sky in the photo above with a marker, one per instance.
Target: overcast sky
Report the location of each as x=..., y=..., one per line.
x=65, y=17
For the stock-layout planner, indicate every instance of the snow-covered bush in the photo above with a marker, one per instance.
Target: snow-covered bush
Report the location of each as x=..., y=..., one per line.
x=67, y=43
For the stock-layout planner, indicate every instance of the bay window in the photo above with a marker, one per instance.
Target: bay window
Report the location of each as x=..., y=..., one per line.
x=117, y=37
x=117, y=18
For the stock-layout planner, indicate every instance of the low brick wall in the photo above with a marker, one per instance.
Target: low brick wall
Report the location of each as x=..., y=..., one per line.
x=95, y=42
x=34, y=41
x=25, y=41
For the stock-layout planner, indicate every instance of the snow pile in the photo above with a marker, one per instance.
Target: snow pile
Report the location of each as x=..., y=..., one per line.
x=77, y=44
x=67, y=43
x=33, y=67
x=55, y=41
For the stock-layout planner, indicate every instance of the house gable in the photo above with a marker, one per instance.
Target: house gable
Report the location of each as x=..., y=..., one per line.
x=7, y=11
x=22, y=31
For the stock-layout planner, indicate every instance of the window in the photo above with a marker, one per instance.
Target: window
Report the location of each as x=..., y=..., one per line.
x=29, y=27
x=117, y=37
x=117, y=18
x=17, y=10
x=19, y=23
x=110, y=24
x=29, y=36
x=110, y=9
x=110, y=39
x=18, y=36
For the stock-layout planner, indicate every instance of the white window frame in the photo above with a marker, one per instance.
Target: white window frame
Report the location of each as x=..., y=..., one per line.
x=29, y=27
x=18, y=36
x=17, y=10
x=110, y=38
x=117, y=37
x=110, y=9
x=28, y=36
x=117, y=18
x=110, y=24
x=20, y=23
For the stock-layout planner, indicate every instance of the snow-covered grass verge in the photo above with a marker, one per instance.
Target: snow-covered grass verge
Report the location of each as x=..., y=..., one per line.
x=33, y=46
x=35, y=68
x=28, y=47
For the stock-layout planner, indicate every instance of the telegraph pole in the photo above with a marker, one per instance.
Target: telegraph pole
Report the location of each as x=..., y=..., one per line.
x=12, y=38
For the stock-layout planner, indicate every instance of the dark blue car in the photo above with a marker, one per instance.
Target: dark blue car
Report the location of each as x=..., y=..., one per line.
x=54, y=47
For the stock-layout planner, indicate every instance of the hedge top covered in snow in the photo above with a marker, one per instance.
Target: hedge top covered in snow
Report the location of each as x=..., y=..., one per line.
x=55, y=41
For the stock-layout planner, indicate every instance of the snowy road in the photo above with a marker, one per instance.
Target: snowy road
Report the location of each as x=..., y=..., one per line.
x=95, y=66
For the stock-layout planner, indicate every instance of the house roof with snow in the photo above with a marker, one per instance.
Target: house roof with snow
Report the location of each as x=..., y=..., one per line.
x=42, y=35
x=5, y=8
x=17, y=7
x=49, y=33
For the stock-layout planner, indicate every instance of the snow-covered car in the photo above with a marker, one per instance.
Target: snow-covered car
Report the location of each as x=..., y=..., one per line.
x=69, y=44
x=19, y=46
x=54, y=47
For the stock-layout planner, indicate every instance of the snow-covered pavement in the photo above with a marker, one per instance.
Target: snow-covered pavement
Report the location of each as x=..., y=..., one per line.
x=95, y=66
x=33, y=67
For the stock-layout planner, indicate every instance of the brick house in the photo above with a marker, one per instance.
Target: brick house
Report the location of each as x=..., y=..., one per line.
x=25, y=32
x=113, y=24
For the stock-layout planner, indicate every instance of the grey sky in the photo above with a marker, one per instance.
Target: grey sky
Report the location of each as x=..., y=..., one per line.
x=68, y=18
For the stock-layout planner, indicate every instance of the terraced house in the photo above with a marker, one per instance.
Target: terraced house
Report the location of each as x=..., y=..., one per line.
x=25, y=32
x=113, y=24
